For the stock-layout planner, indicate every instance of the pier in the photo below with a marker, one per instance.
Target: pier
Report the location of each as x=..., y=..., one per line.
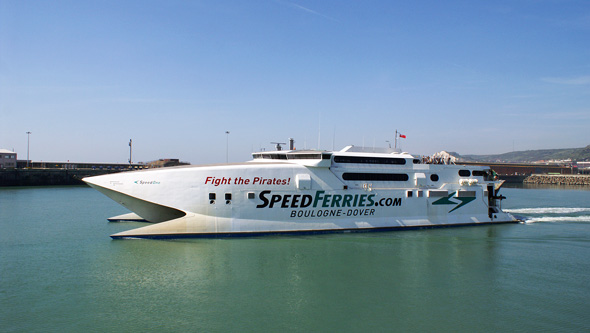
x=59, y=173
x=43, y=177
x=583, y=180
x=36, y=173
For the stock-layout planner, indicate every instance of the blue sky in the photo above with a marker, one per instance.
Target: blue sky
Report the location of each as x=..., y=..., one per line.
x=475, y=77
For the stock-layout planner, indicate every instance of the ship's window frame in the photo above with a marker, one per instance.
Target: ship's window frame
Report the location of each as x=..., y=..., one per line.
x=464, y=173
x=296, y=156
x=369, y=160
x=227, y=196
x=385, y=177
x=310, y=156
x=434, y=177
x=269, y=156
x=479, y=173
x=212, y=196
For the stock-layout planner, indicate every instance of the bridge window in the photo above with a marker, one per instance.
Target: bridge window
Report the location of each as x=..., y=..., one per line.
x=464, y=173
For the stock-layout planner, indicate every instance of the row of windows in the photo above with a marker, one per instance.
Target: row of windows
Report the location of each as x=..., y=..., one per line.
x=369, y=160
x=270, y=156
x=304, y=156
x=475, y=173
x=7, y=156
x=386, y=177
x=311, y=156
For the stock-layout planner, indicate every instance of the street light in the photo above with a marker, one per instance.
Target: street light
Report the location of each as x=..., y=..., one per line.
x=227, y=147
x=130, y=150
x=28, y=141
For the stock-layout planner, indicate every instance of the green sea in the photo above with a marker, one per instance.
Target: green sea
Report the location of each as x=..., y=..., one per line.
x=61, y=272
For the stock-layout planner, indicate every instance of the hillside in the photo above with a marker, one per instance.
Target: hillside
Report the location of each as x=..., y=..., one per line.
x=575, y=154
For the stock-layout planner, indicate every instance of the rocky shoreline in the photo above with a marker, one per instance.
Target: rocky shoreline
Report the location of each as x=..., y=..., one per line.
x=558, y=179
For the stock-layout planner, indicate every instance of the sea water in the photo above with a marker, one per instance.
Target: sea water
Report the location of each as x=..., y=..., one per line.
x=60, y=271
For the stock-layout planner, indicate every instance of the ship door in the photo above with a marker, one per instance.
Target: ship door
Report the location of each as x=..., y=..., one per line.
x=491, y=201
x=303, y=181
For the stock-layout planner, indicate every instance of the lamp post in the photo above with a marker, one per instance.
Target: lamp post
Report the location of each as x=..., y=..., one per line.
x=226, y=146
x=28, y=145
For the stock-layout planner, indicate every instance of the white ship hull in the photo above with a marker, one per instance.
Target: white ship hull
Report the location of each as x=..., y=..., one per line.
x=310, y=192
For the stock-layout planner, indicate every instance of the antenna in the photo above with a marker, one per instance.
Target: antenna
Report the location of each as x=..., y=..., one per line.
x=319, y=129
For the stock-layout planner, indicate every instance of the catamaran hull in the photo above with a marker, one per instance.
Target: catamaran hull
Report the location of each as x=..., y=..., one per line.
x=194, y=226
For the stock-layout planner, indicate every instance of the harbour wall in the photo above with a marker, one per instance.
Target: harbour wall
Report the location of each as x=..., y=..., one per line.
x=583, y=180
x=44, y=177
x=513, y=179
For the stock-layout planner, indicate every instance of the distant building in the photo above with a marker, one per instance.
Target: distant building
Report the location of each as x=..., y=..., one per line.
x=583, y=168
x=7, y=159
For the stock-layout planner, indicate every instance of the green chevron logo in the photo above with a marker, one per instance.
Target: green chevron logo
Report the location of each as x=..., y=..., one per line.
x=447, y=201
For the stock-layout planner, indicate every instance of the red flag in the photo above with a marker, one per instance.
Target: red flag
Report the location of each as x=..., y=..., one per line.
x=402, y=136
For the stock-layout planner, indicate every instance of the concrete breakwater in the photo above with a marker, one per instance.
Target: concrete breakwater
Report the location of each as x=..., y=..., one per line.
x=558, y=179
x=40, y=177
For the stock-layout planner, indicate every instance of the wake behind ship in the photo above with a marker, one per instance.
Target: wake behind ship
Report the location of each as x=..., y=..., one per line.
x=293, y=191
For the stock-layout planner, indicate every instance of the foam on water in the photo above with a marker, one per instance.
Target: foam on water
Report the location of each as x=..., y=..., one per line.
x=553, y=214
x=548, y=210
x=585, y=218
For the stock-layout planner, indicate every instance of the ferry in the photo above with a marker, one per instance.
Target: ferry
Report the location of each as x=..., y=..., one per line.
x=305, y=191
